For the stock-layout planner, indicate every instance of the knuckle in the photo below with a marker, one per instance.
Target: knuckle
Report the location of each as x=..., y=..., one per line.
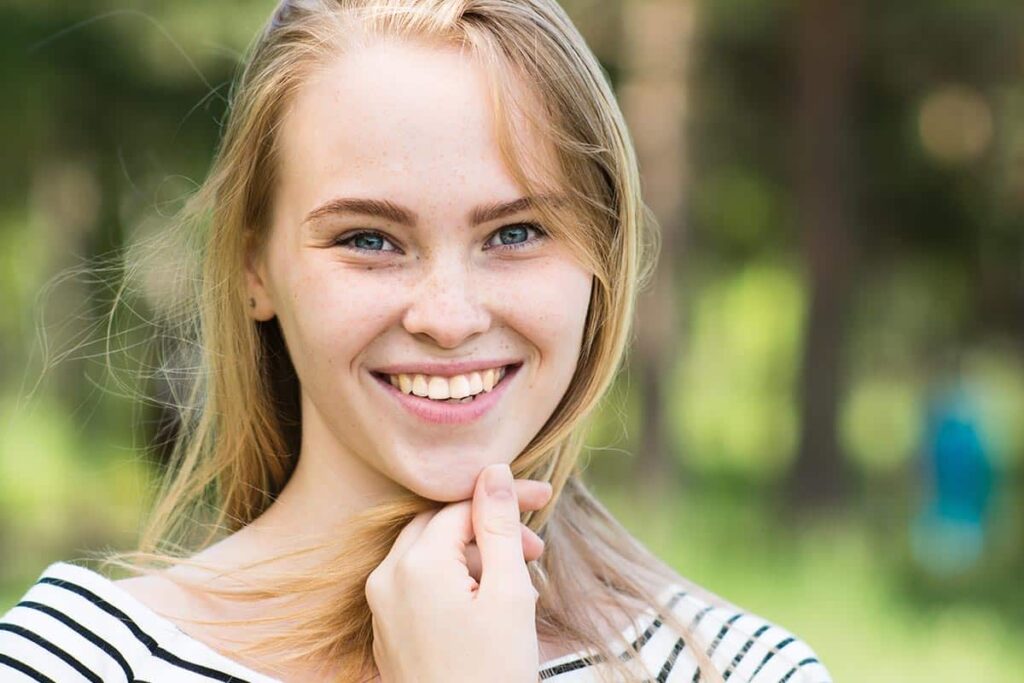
x=375, y=588
x=503, y=525
x=411, y=568
x=528, y=593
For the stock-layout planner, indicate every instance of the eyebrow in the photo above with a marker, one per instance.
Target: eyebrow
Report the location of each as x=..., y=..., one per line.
x=396, y=213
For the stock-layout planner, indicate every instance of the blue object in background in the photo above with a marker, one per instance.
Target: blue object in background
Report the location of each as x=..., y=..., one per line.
x=948, y=534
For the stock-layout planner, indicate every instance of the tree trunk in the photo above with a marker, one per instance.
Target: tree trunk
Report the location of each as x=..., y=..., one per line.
x=658, y=40
x=825, y=60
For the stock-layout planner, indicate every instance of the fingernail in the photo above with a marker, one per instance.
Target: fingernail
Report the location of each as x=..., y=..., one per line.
x=498, y=482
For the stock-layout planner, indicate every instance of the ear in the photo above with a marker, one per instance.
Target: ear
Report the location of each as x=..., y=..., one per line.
x=258, y=302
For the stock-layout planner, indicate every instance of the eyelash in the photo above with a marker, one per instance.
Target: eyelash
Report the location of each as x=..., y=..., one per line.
x=345, y=240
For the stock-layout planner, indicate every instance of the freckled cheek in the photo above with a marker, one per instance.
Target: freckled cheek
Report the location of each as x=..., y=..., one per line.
x=339, y=314
x=548, y=308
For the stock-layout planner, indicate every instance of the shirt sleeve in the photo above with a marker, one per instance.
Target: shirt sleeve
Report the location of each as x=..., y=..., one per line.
x=744, y=646
x=45, y=638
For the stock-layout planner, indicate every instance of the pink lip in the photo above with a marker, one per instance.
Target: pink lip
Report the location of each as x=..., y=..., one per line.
x=449, y=413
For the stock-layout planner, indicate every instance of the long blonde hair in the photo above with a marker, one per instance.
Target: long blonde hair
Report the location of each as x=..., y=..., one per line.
x=234, y=393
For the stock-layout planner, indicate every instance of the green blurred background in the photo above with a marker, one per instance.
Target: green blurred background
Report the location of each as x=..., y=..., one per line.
x=821, y=415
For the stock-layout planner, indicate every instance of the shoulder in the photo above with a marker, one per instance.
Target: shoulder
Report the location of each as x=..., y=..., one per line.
x=158, y=594
x=741, y=645
x=65, y=628
x=74, y=624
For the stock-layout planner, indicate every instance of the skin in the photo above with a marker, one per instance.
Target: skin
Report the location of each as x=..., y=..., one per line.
x=411, y=124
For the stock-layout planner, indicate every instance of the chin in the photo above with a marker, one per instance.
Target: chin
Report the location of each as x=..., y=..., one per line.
x=449, y=485
x=442, y=492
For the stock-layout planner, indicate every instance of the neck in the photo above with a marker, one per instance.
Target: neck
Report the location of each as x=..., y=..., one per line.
x=329, y=485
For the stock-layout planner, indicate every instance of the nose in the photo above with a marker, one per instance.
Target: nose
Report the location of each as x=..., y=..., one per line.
x=447, y=305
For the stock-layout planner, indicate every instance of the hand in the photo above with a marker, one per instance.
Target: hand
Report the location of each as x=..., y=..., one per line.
x=436, y=616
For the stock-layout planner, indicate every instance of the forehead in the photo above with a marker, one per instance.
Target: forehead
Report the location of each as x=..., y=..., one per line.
x=405, y=119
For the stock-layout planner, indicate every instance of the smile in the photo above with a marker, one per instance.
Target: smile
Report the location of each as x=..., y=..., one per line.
x=458, y=388
x=449, y=400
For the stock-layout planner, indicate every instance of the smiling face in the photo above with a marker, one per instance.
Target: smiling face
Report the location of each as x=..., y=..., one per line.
x=397, y=240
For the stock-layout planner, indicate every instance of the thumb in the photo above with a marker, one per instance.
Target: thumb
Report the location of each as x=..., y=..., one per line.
x=496, y=525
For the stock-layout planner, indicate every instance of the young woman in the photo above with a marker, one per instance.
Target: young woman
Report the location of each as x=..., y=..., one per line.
x=406, y=283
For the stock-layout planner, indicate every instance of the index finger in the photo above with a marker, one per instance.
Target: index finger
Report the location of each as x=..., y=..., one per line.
x=408, y=536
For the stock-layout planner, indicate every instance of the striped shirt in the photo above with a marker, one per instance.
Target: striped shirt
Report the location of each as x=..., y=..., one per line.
x=76, y=625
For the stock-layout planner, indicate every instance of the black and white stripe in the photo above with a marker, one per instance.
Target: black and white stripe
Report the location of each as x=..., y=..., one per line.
x=75, y=625
x=739, y=645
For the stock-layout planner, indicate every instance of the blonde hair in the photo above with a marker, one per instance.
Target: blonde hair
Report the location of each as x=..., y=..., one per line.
x=234, y=391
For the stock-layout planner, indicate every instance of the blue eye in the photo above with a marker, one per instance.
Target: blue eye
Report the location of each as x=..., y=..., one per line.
x=364, y=241
x=516, y=236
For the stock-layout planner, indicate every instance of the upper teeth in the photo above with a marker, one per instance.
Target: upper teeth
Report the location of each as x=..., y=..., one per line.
x=440, y=388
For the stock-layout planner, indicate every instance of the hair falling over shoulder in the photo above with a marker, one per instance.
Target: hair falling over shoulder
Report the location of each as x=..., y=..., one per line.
x=234, y=393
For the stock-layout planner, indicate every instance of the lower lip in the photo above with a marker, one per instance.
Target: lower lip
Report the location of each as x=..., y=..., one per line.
x=450, y=413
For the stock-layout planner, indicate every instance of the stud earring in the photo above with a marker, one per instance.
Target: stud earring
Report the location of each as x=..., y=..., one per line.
x=252, y=302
